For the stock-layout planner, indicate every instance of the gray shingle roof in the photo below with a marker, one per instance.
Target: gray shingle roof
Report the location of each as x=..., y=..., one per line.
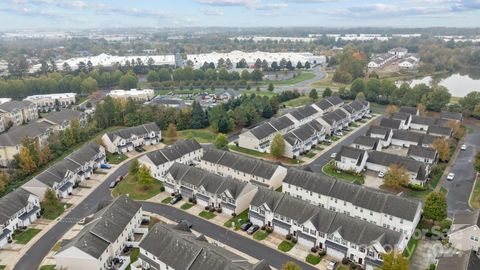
x=366, y=141
x=420, y=151
x=281, y=123
x=390, y=123
x=401, y=116
x=335, y=100
x=412, y=136
x=12, y=105
x=386, y=159
x=15, y=135
x=423, y=120
x=326, y=221
x=13, y=202
x=451, y=116
x=469, y=260
x=324, y=104
x=358, y=195
x=63, y=115
x=303, y=112
x=409, y=110
x=377, y=130
x=241, y=163
x=179, y=248
x=350, y=152
x=262, y=131
x=106, y=227
x=304, y=132
x=86, y=153
x=136, y=130
x=173, y=152
x=445, y=131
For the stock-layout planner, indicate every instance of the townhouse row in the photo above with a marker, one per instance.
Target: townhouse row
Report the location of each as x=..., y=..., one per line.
x=65, y=174
x=127, y=139
x=302, y=128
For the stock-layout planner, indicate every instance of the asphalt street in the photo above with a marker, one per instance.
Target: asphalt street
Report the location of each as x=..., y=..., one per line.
x=459, y=189
x=304, y=86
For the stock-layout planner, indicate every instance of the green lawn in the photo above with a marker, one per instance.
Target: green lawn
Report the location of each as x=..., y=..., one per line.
x=167, y=200
x=25, y=236
x=300, y=101
x=201, y=135
x=329, y=170
x=115, y=158
x=285, y=246
x=248, y=151
x=51, y=215
x=313, y=259
x=300, y=78
x=411, y=247
x=310, y=154
x=186, y=206
x=207, y=214
x=131, y=187
x=475, y=198
x=133, y=256
x=47, y=267
x=343, y=267
x=2, y=267
x=238, y=219
x=260, y=235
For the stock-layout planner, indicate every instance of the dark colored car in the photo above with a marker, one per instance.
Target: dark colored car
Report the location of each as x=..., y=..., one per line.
x=112, y=184
x=139, y=149
x=176, y=199
x=105, y=166
x=119, y=178
x=253, y=229
x=244, y=227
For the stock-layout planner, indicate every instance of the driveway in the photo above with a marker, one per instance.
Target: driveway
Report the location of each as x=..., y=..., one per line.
x=460, y=188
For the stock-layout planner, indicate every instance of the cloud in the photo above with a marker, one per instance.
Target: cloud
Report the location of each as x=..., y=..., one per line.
x=213, y=12
x=250, y=4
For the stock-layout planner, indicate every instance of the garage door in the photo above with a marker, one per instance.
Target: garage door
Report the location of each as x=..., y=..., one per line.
x=256, y=218
x=335, y=253
x=370, y=267
x=305, y=241
x=281, y=228
x=227, y=211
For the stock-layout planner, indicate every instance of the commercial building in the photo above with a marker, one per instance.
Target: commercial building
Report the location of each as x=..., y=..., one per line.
x=48, y=102
x=135, y=94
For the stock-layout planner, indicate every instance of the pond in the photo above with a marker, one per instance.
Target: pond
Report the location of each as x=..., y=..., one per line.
x=458, y=85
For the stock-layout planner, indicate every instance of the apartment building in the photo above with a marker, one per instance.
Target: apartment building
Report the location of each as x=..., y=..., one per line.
x=125, y=140
x=102, y=238
x=304, y=114
x=63, y=175
x=384, y=134
x=405, y=138
x=357, y=109
x=389, y=211
x=303, y=138
x=260, y=137
x=135, y=94
x=19, y=209
x=208, y=189
x=17, y=113
x=451, y=116
x=366, y=143
x=340, y=234
x=176, y=247
x=243, y=168
x=62, y=120
x=423, y=154
x=11, y=141
x=48, y=102
x=351, y=159
x=183, y=151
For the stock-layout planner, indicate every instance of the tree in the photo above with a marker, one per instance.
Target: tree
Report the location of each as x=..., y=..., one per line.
x=477, y=162
x=421, y=109
x=221, y=141
x=358, y=85
x=89, y=85
x=271, y=87
x=313, y=94
x=438, y=98
x=435, y=206
x=470, y=101
x=26, y=164
x=389, y=110
x=198, y=118
x=3, y=181
x=277, y=147
x=128, y=81
x=327, y=92
x=396, y=176
x=457, y=129
x=307, y=65
x=360, y=96
x=256, y=75
x=134, y=167
x=50, y=201
x=143, y=177
x=290, y=266
x=443, y=148
x=394, y=260
x=171, y=131
x=299, y=65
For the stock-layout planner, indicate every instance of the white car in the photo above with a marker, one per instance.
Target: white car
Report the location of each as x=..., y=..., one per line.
x=464, y=147
x=450, y=176
x=331, y=265
x=381, y=174
x=333, y=155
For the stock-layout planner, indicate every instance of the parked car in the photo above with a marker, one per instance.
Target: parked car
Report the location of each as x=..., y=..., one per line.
x=245, y=226
x=112, y=184
x=464, y=147
x=105, y=166
x=253, y=229
x=381, y=174
x=186, y=222
x=347, y=128
x=331, y=265
x=176, y=199
x=338, y=133
x=450, y=176
x=139, y=149
x=368, y=116
x=333, y=155
x=119, y=178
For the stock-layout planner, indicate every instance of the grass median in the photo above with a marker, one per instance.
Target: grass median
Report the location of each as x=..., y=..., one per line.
x=25, y=236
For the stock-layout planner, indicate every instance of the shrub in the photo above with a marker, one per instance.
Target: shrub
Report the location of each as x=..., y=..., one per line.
x=263, y=228
x=207, y=208
x=288, y=237
x=234, y=214
x=269, y=230
x=353, y=265
x=314, y=249
x=172, y=194
x=162, y=189
x=345, y=261
x=190, y=199
x=322, y=253
x=212, y=209
x=294, y=240
x=219, y=210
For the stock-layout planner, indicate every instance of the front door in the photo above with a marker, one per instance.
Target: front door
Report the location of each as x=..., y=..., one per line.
x=360, y=261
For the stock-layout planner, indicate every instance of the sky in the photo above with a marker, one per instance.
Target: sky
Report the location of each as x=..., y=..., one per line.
x=78, y=14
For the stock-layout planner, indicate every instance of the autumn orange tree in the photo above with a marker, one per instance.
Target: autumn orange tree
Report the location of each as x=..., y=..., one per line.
x=443, y=148
x=396, y=176
x=457, y=129
x=390, y=109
